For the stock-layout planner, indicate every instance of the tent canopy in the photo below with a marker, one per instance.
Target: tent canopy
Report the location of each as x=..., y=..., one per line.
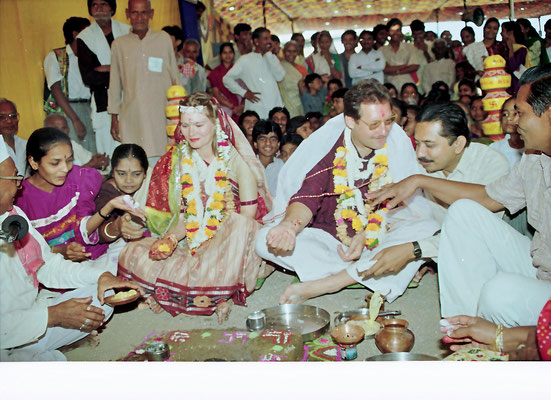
x=285, y=16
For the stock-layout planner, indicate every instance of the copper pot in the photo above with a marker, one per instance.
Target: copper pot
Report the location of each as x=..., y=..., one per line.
x=394, y=336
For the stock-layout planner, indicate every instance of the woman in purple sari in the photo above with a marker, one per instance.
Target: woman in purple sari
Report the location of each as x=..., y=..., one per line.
x=59, y=198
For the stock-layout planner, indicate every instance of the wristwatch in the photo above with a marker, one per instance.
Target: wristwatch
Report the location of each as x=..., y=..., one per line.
x=417, y=250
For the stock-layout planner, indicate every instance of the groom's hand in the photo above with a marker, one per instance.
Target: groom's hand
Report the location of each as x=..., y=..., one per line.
x=355, y=249
x=281, y=238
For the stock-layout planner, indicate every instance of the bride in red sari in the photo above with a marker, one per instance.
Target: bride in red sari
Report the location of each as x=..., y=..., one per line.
x=205, y=197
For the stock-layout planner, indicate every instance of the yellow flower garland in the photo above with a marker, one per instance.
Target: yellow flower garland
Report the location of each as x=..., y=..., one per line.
x=368, y=220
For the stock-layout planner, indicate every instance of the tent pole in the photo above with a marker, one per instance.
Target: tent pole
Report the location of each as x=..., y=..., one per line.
x=511, y=10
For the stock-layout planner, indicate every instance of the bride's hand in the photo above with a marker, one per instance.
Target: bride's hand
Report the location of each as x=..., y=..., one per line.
x=163, y=248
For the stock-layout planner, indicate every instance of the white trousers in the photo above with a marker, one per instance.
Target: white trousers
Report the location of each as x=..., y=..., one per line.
x=45, y=349
x=315, y=256
x=101, y=122
x=485, y=268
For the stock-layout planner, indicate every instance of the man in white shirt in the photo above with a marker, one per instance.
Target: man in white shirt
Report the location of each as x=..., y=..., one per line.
x=401, y=58
x=442, y=68
x=260, y=70
x=94, y=61
x=9, y=125
x=33, y=324
x=63, y=78
x=368, y=63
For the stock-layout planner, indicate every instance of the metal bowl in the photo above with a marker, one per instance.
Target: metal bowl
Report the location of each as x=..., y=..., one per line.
x=403, y=356
x=310, y=321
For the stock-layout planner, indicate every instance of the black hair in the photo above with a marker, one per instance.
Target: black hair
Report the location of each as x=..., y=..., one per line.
x=430, y=33
x=452, y=118
x=514, y=27
x=349, y=32
x=539, y=96
x=413, y=85
x=129, y=150
x=492, y=19
x=365, y=92
x=177, y=32
x=389, y=86
x=226, y=44
x=112, y=4
x=281, y=110
x=275, y=38
x=437, y=96
x=292, y=138
x=337, y=82
x=417, y=25
x=379, y=28
x=239, y=28
x=309, y=116
x=42, y=140
x=547, y=24
x=296, y=122
x=437, y=84
x=468, y=29
x=339, y=93
x=310, y=78
x=372, y=34
x=259, y=31
x=200, y=6
x=392, y=22
x=532, y=33
x=74, y=24
x=401, y=105
x=245, y=114
x=295, y=35
x=265, y=126
x=468, y=83
x=468, y=70
x=535, y=73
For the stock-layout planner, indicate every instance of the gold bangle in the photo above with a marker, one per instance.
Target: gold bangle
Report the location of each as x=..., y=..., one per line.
x=107, y=233
x=499, y=338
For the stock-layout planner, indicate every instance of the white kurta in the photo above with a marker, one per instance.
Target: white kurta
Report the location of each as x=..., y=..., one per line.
x=315, y=255
x=24, y=310
x=406, y=55
x=365, y=66
x=261, y=74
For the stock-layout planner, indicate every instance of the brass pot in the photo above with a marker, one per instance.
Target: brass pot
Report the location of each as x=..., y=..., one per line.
x=394, y=336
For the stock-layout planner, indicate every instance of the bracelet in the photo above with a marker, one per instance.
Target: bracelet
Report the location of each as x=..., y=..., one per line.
x=104, y=216
x=107, y=233
x=499, y=338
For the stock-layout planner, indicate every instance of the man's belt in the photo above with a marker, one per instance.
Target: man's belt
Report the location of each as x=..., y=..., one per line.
x=79, y=100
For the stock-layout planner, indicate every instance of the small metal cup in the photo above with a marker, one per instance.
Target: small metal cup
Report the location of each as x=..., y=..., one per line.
x=256, y=321
x=157, y=351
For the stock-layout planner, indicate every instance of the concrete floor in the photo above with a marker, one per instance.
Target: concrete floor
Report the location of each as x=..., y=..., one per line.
x=129, y=326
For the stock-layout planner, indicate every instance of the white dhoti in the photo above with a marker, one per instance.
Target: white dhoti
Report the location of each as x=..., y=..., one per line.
x=45, y=349
x=101, y=123
x=315, y=255
x=485, y=268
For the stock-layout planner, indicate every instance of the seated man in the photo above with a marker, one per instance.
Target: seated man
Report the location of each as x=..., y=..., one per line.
x=444, y=149
x=34, y=324
x=324, y=185
x=486, y=268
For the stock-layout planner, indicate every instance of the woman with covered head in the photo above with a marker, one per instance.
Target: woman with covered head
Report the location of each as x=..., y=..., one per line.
x=204, y=198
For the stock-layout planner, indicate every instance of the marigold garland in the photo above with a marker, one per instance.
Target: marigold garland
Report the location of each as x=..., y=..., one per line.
x=202, y=221
x=350, y=204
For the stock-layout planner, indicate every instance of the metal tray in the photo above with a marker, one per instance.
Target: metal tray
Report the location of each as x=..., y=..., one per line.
x=343, y=317
x=310, y=321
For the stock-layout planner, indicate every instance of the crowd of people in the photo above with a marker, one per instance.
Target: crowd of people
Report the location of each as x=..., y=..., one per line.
x=366, y=167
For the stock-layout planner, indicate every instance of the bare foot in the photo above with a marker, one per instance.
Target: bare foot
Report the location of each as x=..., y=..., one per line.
x=297, y=293
x=151, y=304
x=223, y=310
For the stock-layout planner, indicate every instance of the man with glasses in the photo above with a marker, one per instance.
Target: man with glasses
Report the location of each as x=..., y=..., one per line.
x=329, y=234
x=33, y=323
x=9, y=125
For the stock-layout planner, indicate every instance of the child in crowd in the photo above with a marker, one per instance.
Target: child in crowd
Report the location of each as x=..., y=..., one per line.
x=315, y=119
x=246, y=123
x=479, y=115
x=391, y=89
x=266, y=138
x=301, y=126
x=466, y=87
x=288, y=145
x=280, y=115
x=313, y=94
x=400, y=109
x=332, y=86
x=409, y=127
x=338, y=102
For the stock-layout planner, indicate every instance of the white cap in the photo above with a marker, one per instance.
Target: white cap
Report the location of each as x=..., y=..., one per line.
x=3, y=152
